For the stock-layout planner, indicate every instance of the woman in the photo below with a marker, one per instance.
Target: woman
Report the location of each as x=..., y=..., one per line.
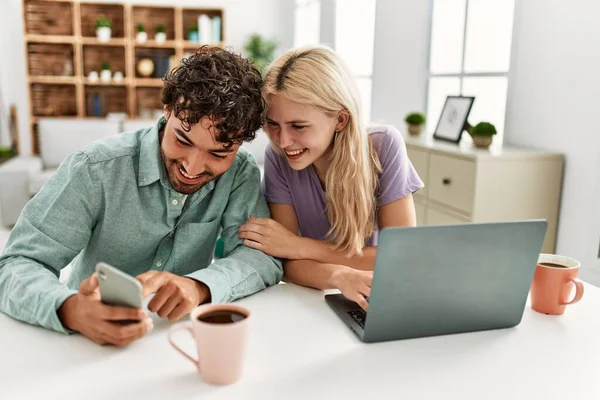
x=330, y=183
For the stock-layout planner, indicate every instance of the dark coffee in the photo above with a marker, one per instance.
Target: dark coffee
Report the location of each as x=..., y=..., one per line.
x=553, y=265
x=221, y=317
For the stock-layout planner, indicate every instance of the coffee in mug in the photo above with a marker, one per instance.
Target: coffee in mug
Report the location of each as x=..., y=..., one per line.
x=221, y=317
x=553, y=282
x=220, y=332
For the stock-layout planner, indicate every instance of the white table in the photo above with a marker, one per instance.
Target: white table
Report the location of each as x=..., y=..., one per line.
x=298, y=348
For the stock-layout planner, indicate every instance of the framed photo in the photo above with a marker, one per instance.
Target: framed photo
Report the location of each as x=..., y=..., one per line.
x=453, y=118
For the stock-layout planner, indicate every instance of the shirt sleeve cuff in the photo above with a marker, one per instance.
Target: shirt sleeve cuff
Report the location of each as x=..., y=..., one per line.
x=217, y=283
x=53, y=321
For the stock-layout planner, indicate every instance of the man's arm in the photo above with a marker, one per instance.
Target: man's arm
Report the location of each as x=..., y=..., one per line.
x=53, y=228
x=242, y=271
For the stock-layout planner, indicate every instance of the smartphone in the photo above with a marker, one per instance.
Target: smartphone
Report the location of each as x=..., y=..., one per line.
x=118, y=288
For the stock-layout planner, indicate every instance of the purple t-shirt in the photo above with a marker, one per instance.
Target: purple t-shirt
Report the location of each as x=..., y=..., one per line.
x=303, y=190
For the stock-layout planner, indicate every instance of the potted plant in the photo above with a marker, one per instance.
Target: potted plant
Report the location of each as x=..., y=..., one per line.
x=415, y=122
x=482, y=134
x=105, y=73
x=141, y=36
x=6, y=153
x=159, y=33
x=260, y=51
x=192, y=34
x=103, y=30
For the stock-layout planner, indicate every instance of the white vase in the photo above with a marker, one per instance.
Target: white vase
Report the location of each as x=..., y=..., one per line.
x=160, y=37
x=93, y=76
x=118, y=77
x=141, y=37
x=105, y=75
x=103, y=34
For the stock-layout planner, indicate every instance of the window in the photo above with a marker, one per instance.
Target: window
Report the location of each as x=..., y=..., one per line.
x=307, y=26
x=470, y=56
x=354, y=41
x=354, y=36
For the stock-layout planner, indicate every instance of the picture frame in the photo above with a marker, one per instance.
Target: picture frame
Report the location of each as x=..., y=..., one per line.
x=453, y=118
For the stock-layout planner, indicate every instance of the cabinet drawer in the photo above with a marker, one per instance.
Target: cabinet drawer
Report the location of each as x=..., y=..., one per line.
x=418, y=158
x=438, y=217
x=452, y=182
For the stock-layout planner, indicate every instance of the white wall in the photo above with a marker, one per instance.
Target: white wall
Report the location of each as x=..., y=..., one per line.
x=12, y=66
x=401, y=60
x=271, y=18
x=553, y=103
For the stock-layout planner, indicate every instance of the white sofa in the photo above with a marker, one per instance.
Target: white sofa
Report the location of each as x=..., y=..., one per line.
x=22, y=177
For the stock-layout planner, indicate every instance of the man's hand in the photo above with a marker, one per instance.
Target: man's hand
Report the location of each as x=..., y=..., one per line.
x=175, y=295
x=86, y=314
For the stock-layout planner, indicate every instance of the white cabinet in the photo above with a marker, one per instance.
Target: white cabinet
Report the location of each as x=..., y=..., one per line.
x=464, y=184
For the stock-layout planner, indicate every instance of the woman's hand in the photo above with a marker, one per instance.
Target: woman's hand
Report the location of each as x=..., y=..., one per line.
x=354, y=284
x=270, y=237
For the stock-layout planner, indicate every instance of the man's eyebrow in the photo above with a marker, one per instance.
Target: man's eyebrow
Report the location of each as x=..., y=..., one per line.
x=183, y=135
x=222, y=150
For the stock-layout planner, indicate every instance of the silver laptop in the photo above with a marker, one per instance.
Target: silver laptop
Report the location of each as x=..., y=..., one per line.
x=437, y=280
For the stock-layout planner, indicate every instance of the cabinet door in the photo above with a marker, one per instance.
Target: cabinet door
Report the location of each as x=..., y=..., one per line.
x=439, y=217
x=419, y=160
x=420, y=210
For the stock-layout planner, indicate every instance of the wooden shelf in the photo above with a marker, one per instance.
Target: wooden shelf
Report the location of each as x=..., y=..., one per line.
x=95, y=42
x=54, y=79
x=61, y=49
x=87, y=82
x=148, y=82
x=50, y=39
x=187, y=44
x=169, y=44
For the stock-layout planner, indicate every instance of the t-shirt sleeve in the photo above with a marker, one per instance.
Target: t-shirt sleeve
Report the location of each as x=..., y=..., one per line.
x=275, y=185
x=398, y=178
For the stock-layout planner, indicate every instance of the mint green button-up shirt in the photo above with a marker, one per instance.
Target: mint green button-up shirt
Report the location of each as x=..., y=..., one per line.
x=112, y=201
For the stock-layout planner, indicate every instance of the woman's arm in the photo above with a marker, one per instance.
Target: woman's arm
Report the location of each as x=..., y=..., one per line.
x=354, y=285
x=397, y=213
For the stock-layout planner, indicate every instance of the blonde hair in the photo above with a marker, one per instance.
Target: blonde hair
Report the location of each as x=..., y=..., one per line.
x=316, y=76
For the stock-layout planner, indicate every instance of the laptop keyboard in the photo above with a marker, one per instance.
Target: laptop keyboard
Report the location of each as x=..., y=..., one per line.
x=359, y=316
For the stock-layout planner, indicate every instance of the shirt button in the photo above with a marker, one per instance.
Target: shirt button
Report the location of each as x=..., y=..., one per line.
x=159, y=263
x=174, y=202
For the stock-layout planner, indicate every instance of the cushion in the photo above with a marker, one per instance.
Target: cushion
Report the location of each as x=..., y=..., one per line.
x=133, y=125
x=60, y=137
x=37, y=180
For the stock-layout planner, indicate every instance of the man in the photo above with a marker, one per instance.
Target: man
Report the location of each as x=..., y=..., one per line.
x=151, y=203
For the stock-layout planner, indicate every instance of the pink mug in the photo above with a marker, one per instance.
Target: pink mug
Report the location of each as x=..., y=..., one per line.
x=554, y=279
x=220, y=331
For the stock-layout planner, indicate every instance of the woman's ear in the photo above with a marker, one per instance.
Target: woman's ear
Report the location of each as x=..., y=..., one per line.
x=166, y=111
x=342, y=120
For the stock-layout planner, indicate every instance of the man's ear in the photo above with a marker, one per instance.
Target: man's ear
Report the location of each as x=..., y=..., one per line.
x=343, y=119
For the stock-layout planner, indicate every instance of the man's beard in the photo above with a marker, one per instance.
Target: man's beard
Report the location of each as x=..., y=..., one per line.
x=181, y=187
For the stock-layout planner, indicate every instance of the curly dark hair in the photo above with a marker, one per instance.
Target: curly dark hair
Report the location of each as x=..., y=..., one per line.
x=219, y=84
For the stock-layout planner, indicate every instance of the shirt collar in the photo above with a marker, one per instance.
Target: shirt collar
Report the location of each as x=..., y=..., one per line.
x=151, y=164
